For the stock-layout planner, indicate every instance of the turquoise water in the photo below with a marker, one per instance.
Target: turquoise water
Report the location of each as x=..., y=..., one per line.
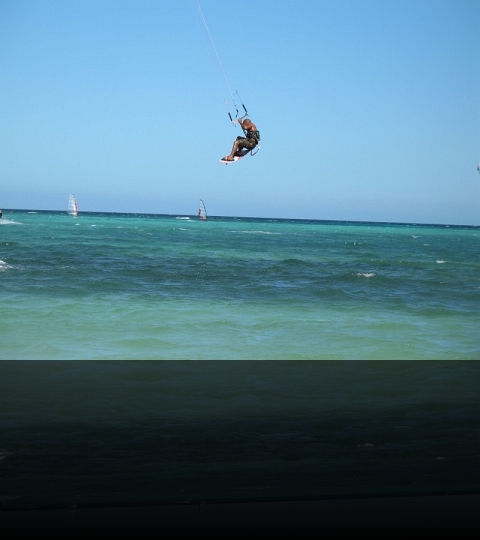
x=124, y=286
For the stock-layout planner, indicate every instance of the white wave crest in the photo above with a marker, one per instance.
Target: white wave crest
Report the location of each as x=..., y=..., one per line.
x=4, y=266
x=9, y=222
x=255, y=232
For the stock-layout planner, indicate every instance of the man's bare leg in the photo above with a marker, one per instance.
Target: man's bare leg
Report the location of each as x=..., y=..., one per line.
x=233, y=152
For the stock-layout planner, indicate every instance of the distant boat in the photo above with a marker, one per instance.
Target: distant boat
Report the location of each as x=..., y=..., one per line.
x=72, y=208
x=202, y=211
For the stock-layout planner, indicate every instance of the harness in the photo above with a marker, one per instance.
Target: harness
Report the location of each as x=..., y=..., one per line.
x=253, y=135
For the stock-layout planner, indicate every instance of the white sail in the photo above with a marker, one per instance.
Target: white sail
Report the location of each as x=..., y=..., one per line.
x=202, y=211
x=72, y=207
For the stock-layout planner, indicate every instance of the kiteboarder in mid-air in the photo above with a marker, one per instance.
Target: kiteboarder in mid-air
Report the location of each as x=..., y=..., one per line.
x=251, y=136
x=249, y=140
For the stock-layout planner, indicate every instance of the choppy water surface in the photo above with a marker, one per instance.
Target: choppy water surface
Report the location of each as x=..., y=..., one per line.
x=111, y=286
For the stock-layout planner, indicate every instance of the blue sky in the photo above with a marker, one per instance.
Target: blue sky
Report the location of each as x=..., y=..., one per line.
x=368, y=110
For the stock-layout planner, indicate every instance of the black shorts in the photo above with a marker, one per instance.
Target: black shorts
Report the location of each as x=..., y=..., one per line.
x=245, y=142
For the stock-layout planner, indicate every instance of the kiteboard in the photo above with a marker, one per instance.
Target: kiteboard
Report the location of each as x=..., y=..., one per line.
x=236, y=157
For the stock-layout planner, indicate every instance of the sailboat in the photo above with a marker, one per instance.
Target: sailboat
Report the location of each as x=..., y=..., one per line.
x=202, y=211
x=72, y=208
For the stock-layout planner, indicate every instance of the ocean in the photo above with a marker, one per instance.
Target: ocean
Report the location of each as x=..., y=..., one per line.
x=369, y=334
x=154, y=287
